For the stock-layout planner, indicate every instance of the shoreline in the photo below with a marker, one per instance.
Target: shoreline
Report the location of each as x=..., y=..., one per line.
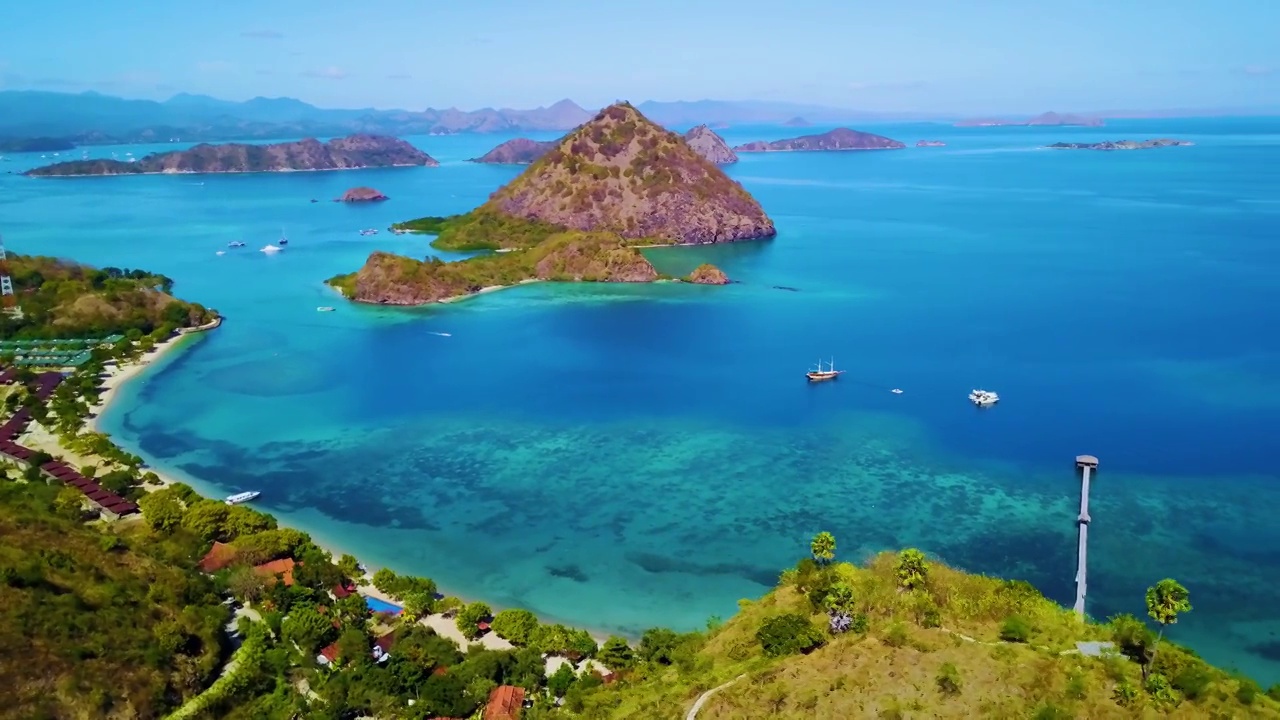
x=221, y=172
x=117, y=376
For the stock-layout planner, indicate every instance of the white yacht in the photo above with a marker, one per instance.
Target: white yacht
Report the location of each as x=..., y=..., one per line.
x=235, y=243
x=324, y=308
x=984, y=398
x=242, y=497
x=269, y=249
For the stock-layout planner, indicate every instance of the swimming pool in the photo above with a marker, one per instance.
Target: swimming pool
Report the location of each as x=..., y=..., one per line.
x=378, y=606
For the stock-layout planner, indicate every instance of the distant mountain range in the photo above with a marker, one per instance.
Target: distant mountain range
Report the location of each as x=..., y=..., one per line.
x=93, y=118
x=53, y=119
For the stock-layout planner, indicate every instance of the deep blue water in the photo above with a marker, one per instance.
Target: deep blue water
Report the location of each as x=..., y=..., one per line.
x=621, y=457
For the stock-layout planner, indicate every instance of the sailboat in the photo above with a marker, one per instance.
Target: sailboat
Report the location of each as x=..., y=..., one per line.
x=818, y=375
x=283, y=240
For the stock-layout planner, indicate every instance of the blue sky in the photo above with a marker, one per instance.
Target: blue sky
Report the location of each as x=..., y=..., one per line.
x=921, y=55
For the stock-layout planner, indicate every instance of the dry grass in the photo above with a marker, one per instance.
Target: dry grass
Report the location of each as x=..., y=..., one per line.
x=894, y=670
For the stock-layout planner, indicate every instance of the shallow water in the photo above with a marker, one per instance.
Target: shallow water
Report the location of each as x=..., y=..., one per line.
x=621, y=457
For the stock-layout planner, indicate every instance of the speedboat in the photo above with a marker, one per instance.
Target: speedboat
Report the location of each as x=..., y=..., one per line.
x=896, y=391
x=269, y=249
x=324, y=308
x=283, y=240
x=235, y=243
x=983, y=398
x=242, y=497
x=221, y=252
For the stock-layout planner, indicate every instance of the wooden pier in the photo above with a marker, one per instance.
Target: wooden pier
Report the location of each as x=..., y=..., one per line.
x=1087, y=464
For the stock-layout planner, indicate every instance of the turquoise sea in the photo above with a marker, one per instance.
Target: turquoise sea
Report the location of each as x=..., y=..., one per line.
x=620, y=457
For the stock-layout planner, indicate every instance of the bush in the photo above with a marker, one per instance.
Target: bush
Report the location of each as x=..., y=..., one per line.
x=896, y=635
x=1125, y=693
x=1015, y=629
x=1248, y=691
x=1193, y=680
x=1132, y=636
x=787, y=635
x=949, y=679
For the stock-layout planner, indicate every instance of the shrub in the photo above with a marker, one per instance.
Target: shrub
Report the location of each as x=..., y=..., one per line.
x=1159, y=689
x=1247, y=691
x=1125, y=693
x=1049, y=711
x=896, y=635
x=949, y=679
x=1193, y=680
x=1015, y=629
x=787, y=635
x=1132, y=636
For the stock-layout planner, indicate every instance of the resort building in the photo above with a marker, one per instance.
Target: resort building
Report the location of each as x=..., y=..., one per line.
x=505, y=703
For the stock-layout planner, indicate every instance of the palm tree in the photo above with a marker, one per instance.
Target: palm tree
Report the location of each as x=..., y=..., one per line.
x=913, y=571
x=823, y=547
x=1165, y=601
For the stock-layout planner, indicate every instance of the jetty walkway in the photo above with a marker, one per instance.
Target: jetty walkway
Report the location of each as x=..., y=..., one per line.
x=1087, y=464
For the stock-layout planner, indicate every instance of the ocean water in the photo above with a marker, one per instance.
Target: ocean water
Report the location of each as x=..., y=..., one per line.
x=627, y=456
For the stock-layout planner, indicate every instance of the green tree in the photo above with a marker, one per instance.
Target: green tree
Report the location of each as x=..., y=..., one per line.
x=515, y=625
x=788, y=634
x=162, y=509
x=839, y=599
x=616, y=654
x=561, y=680
x=823, y=547
x=386, y=580
x=417, y=604
x=1166, y=600
x=69, y=503
x=308, y=628
x=206, y=519
x=469, y=617
x=658, y=645
x=244, y=520
x=912, y=570
x=350, y=567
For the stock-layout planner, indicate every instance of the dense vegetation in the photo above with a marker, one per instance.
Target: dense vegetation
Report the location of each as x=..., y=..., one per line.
x=61, y=299
x=95, y=623
x=481, y=229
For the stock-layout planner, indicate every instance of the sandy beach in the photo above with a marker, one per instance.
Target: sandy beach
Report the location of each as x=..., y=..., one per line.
x=117, y=375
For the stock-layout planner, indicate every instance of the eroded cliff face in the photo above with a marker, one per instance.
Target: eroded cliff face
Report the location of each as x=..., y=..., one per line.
x=710, y=145
x=520, y=151
x=353, y=151
x=622, y=173
x=838, y=139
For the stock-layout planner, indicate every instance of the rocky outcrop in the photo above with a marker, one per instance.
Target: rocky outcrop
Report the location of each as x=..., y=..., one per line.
x=1122, y=144
x=520, y=151
x=362, y=194
x=622, y=173
x=709, y=145
x=708, y=274
x=351, y=152
x=931, y=143
x=838, y=139
x=1049, y=119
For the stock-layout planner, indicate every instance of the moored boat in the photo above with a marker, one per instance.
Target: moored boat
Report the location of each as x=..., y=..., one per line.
x=242, y=497
x=818, y=374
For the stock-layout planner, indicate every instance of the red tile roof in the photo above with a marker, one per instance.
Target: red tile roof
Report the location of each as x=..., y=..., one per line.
x=344, y=589
x=505, y=703
x=218, y=557
x=282, y=568
x=386, y=641
x=330, y=652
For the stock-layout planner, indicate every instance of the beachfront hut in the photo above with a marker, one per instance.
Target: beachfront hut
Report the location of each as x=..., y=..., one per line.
x=505, y=703
x=281, y=569
x=219, y=556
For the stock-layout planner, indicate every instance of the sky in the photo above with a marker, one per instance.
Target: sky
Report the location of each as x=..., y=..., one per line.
x=974, y=57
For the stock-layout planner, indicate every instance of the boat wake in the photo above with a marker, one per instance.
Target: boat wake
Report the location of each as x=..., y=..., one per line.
x=432, y=332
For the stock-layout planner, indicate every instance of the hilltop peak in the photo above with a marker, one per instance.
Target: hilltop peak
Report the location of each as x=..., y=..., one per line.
x=623, y=173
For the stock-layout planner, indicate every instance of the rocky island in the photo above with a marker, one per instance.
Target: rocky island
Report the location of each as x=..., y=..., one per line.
x=709, y=145
x=362, y=194
x=520, y=151
x=797, y=122
x=347, y=153
x=931, y=143
x=579, y=213
x=1049, y=119
x=838, y=139
x=1122, y=144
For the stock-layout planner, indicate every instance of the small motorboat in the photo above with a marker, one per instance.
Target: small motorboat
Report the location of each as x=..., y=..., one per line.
x=271, y=249
x=235, y=243
x=221, y=252
x=369, y=231
x=896, y=391
x=324, y=308
x=983, y=398
x=283, y=240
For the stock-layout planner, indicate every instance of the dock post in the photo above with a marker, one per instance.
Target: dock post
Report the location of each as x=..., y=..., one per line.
x=1087, y=464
